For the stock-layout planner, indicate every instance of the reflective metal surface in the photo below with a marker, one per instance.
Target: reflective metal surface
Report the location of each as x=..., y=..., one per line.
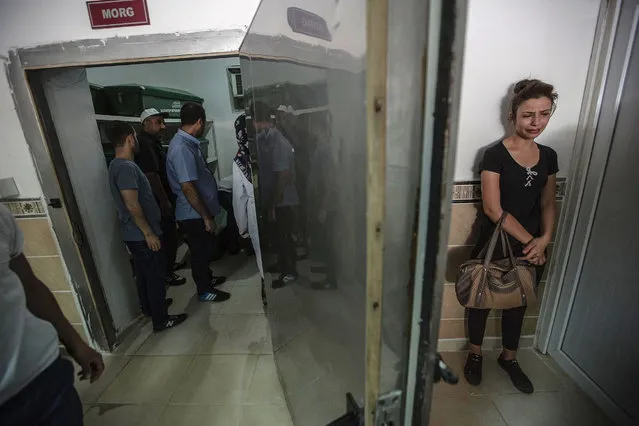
x=318, y=84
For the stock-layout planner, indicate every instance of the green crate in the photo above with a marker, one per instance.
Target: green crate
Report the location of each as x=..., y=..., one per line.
x=131, y=99
x=101, y=102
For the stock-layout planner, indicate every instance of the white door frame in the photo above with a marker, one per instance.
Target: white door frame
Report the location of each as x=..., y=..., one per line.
x=597, y=121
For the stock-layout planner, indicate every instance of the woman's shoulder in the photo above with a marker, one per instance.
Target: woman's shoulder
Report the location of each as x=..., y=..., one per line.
x=547, y=150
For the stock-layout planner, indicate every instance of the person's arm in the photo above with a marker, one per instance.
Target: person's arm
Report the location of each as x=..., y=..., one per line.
x=193, y=196
x=130, y=198
x=535, y=251
x=43, y=305
x=160, y=194
x=491, y=196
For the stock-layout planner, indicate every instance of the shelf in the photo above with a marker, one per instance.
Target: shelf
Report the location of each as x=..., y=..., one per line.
x=101, y=117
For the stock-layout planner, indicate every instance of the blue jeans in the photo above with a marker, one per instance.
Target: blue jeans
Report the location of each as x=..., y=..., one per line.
x=49, y=400
x=150, y=272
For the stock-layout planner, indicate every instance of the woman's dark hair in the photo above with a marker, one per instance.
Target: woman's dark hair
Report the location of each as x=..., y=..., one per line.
x=117, y=132
x=191, y=112
x=531, y=89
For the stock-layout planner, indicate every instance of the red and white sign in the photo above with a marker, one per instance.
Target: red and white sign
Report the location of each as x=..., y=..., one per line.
x=118, y=13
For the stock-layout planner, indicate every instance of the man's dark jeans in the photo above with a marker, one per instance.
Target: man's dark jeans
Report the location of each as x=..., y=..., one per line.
x=169, y=242
x=150, y=272
x=201, y=245
x=285, y=220
x=49, y=400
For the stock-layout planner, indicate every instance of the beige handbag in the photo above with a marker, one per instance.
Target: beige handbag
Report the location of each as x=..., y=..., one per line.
x=501, y=284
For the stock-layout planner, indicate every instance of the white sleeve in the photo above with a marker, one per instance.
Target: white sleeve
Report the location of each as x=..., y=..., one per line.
x=10, y=233
x=240, y=198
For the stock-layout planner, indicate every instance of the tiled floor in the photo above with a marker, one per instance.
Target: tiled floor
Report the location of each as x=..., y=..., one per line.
x=556, y=401
x=215, y=369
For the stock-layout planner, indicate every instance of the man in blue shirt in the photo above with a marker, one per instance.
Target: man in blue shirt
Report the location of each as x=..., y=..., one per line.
x=197, y=202
x=140, y=222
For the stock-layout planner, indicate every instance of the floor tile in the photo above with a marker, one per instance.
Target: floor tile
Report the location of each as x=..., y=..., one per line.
x=244, y=300
x=563, y=408
x=132, y=342
x=216, y=379
x=471, y=410
x=237, y=334
x=265, y=415
x=201, y=415
x=147, y=379
x=122, y=415
x=265, y=387
x=185, y=339
x=89, y=392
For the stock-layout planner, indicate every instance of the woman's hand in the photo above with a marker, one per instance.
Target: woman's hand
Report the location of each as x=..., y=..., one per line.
x=535, y=251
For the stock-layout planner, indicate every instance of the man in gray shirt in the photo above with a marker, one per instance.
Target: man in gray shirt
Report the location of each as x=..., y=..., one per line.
x=140, y=222
x=279, y=191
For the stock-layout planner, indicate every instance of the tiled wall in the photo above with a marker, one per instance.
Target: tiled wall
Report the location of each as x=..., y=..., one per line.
x=464, y=232
x=41, y=250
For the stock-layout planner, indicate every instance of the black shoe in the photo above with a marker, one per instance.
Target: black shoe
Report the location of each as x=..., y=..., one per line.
x=283, y=280
x=517, y=376
x=169, y=302
x=214, y=296
x=171, y=321
x=218, y=281
x=472, y=369
x=174, y=280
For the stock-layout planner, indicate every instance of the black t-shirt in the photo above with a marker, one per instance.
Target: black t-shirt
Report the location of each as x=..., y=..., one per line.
x=520, y=191
x=152, y=159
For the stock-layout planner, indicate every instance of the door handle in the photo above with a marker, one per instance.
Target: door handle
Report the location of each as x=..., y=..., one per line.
x=55, y=203
x=77, y=234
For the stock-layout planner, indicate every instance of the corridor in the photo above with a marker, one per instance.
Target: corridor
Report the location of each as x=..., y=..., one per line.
x=215, y=369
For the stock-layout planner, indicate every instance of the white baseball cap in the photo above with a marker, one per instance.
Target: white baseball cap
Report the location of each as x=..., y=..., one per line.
x=150, y=112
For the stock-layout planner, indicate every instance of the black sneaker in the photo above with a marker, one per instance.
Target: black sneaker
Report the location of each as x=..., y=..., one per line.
x=283, y=280
x=171, y=321
x=218, y=281
x=214, y=296
x=174, y=280
x=472, y=369
x=517, y=376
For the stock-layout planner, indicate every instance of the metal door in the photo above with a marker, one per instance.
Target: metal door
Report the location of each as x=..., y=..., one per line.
x=338, y=161
x=74, y=133
x=600, y=302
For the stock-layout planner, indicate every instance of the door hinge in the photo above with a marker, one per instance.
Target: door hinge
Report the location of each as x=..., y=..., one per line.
x=388, y=409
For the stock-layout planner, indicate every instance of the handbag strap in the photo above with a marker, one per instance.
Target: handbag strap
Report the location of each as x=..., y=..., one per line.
x=489, y=249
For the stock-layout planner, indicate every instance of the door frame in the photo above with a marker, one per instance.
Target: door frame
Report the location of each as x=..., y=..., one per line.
x=39, y=133
x=597, y=126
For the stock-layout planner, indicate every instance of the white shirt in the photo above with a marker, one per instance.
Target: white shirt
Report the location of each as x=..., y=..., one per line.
x=245, y=214
x=28, y=345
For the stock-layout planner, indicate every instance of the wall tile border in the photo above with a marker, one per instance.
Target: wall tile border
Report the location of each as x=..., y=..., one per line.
x=25, y=207
x=470, y=191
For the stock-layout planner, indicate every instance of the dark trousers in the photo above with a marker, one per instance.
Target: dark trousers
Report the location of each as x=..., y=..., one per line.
x=285, y=246
x=150, y=272
x=201, y=245
x=169, y=242
x=511, y=322
x=49, y=400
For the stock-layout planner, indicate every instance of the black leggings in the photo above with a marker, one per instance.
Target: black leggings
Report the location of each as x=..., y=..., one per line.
x=511, y=322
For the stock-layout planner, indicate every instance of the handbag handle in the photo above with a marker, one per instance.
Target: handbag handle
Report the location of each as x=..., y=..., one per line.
x=489, y=249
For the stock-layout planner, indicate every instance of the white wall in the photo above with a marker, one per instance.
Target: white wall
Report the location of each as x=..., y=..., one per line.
x=507, y=41
x=206, y=78
x=28, y=23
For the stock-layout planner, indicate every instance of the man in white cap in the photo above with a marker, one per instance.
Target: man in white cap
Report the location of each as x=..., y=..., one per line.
x=152, y=160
